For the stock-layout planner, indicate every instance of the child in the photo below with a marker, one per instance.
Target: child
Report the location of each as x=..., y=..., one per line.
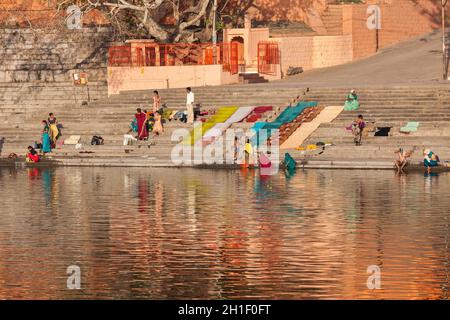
x=357, y=129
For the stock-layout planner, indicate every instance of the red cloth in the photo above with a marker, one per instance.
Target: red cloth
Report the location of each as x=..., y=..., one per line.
x=33, y=157
x=262, y=109
x=142, y=129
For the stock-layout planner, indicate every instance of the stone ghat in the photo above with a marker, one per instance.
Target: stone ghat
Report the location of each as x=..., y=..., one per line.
x=384, y=106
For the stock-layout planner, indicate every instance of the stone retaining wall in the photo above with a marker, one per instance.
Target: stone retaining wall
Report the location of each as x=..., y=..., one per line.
x=28, y=55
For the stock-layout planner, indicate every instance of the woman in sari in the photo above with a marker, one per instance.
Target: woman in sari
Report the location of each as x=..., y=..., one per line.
x=156, y=101
x=53, y=126
x=45, y=124
x=32, y=155
x=142, y=124
x=351, y=103
x=157, y=127
x=46, y=142
x=430, y=159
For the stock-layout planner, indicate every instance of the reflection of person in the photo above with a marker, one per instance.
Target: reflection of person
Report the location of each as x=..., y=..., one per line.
x=430, y=159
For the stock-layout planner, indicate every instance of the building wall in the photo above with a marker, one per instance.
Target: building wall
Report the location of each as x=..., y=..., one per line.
x=400, y=20
x=331, y=50
x=314, y=51
x=149, y=78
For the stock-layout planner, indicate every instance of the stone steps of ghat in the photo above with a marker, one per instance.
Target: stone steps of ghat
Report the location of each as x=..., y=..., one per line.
x=110, y=117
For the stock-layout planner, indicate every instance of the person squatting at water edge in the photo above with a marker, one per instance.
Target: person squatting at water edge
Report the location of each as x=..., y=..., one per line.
x=401, y=159
x=32, y=155
x=430, y=159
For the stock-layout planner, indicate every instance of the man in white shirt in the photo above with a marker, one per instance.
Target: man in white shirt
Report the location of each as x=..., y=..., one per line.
x=190, y=105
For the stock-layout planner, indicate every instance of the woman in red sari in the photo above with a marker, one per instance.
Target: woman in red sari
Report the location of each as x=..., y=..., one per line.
x=32, y=155
x=142, y=127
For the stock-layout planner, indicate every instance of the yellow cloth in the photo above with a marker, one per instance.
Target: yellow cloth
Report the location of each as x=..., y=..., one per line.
x=53, y=132
x=327, y=115
x=221, y=115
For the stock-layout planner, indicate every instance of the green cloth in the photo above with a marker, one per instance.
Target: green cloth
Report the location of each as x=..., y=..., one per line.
x=410, y=127
x=352, y=103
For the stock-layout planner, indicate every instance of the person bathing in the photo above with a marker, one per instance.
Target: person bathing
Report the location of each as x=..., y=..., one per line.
x=430, y=159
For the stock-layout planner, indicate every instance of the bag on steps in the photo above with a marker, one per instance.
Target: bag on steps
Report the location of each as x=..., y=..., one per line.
x=97, y=141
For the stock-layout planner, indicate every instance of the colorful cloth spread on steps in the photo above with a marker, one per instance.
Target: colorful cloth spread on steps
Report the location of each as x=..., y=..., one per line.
x=327, y=115
x=264, y=131
x=240, y=114
x=221, y=127
x=410, y=127
x=257, y=113
x=221, y=116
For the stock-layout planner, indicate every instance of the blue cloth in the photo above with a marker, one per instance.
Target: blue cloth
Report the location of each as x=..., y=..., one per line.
x=134, y=125
x=46, y=143
x=264, y=129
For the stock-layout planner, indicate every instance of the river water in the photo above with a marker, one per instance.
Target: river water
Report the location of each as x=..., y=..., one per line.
x=217, y=234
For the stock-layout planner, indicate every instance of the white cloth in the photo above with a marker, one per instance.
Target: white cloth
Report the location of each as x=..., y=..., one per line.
x=190, y=98
x=239, y=114
x=72, y=140
x=127, y=139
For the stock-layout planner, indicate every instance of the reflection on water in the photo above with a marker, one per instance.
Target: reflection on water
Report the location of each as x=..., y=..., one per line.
x=185, y=233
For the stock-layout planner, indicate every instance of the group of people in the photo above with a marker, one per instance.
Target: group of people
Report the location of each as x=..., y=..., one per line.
x=145, y=122
x=430, y=159
x=50, y=134
x=357, y=126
